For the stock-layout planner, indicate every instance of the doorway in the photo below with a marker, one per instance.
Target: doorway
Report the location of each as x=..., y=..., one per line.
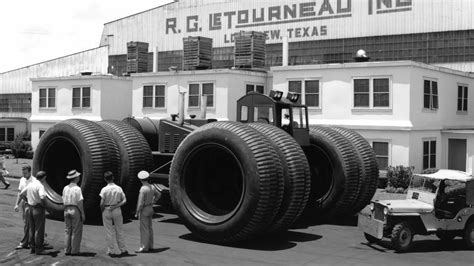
x=457, y=154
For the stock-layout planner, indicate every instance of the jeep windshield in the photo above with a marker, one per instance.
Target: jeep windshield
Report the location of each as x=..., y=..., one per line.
x=421, y=183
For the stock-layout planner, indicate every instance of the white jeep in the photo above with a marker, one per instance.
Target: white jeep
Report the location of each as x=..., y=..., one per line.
x=440, y=203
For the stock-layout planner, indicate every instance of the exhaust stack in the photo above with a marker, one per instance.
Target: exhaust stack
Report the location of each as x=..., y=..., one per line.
x=203, y=107
x=181, y=108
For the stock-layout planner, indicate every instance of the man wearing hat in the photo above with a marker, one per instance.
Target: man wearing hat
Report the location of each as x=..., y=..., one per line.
x=147, y=197
x=73, y=213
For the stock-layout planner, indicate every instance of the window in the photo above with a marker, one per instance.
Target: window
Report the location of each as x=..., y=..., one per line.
x=361, y=93
x=462, y=98
x=154, y=96
x=308, y=90
x=381, y=92
x=244, y=113
x=47, y=98
x=372, y=93
x=430, y=100
x=81, y=97
x=381, y=150
x=429, y=154
x=7, y=134
x=41, y=132
x=196, y=90
x=254, y=87
x=15, y=102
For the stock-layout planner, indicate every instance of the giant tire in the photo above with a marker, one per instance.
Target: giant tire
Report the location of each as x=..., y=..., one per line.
x=135, y=155
x=234, y=208
x=82, y=145
x=297, y=176
x=334, y=170
x=369, y=174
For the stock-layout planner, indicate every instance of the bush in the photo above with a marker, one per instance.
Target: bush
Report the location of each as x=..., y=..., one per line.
x=20, y=145
x=399, y=176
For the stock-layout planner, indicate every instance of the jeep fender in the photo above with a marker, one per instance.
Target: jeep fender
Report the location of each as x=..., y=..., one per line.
x=414, y=219
x=460, y=220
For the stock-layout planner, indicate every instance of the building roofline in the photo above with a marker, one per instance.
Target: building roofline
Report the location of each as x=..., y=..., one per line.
x=201, y=72
x=372, y=64
x=46, y=61
x=141, y=12
x=80, y=77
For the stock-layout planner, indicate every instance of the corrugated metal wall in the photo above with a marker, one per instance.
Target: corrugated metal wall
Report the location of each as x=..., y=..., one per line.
x=18, y=81
x=300, y=20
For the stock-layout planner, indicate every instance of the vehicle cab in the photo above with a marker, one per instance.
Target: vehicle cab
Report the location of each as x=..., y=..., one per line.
x=440, y=203
x=284, y=113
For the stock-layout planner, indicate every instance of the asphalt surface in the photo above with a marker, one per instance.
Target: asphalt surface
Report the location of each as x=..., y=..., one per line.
x=328, y=244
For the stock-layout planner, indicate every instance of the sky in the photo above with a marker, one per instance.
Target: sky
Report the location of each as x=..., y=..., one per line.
x=34, y=31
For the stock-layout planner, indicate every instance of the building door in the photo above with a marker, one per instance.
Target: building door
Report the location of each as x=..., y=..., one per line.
x=457, y=154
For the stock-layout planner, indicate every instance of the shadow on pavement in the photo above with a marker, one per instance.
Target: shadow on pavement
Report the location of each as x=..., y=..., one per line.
x=53, y=254
x=172, y=221
x=423, y=246
x=283, y=241
x=308, y=220
x=84, y=254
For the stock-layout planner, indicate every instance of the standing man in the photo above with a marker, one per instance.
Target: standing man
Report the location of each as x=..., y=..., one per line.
x=147, y=197
x=112, y=198
x=73, y=213
x=36, y=200
x=3, y=173
x=21, y=204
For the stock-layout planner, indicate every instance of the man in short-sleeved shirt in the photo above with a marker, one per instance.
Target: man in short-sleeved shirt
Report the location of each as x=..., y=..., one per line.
x=21, y=205
x=73, y=213
x=36, y=196
x=112, y=199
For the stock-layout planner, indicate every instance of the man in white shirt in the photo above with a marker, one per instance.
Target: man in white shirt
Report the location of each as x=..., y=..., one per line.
x=35, y=195
x=112, y=198
x=21, y=205
x=73, y=213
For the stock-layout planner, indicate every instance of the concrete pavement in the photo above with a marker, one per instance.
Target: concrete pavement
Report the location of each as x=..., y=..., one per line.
x=174, y=245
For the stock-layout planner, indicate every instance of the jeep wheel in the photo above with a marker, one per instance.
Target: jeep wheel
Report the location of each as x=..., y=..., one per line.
x=445, y=236
x=371, y=239
x=469, y=234
x=402, y=237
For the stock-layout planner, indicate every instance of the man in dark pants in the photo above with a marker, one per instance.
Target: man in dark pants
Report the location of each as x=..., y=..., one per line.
x=36, y=196
x=21, y=204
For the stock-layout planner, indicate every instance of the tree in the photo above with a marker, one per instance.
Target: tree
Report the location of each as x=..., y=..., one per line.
x=19, y=146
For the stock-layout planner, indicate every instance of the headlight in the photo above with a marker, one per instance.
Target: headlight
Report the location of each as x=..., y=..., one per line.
x=385, y=211
x=372, y=206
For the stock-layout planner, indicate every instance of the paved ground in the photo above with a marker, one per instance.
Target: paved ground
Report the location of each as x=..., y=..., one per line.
x=313, y=245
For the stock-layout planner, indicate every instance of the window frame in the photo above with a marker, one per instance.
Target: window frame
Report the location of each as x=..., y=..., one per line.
x=464, y=98
x=201, y=90
x=372, y=93
x=431, y=95
x=154, y=95
x=81, y=97
x=254, y=85
x=48, y=88
x=429, y=140
x=41, y=134
x=303, y=91
x=5, y=133
x=389, y=150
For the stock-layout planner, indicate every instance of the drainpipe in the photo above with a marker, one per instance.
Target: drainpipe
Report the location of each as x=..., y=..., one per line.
x=155, y=60
x=285, y=52
x=203, y=107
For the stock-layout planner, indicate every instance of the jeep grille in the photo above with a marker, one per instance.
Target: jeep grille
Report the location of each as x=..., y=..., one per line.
x=378, y=212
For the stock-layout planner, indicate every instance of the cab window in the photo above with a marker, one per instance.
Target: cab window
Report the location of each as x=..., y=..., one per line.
x=263, y=114
x=299, y=118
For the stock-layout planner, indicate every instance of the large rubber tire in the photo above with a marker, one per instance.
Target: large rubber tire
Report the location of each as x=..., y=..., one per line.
x=402, y=237
x=82, y=145
x=334, y=170
x=468, y=235
x=297, y=184
x=226, y=182
x=135, y=155
x=369, y=174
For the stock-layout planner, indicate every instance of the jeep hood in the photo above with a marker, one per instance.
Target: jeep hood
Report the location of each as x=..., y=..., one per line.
x=407, y=205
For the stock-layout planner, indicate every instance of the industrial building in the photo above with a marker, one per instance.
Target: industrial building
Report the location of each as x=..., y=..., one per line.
x=411, y=100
